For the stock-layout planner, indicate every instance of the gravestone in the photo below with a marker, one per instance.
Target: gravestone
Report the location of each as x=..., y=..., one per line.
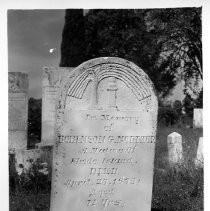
x=52, y=78
x=199, y=157
x=198, y=118
x=174, y=142
x=18, y=110
x=105, y=138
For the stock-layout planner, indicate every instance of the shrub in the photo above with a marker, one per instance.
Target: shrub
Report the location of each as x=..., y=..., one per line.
x=167, y=115
x=32, y=180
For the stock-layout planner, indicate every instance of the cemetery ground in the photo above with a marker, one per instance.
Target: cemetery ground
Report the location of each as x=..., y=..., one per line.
x=174, y=188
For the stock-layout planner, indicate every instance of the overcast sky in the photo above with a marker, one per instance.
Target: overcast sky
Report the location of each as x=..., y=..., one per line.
x=31, y=35
x=34, y=39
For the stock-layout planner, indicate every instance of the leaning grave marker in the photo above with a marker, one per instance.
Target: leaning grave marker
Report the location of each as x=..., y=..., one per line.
x=105, y=138
x=51, y=82
x=18, y=110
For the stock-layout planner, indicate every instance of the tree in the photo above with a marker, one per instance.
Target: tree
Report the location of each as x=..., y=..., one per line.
x=188, y=104
x=111, y=32
x=123, y=33
x=73, y=39
x=199, y=100
x=163, y=42
x=177, y=106
x=179, y=31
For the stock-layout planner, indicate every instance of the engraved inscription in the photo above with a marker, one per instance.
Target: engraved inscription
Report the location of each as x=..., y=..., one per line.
x=105, y=155
x=108, y=139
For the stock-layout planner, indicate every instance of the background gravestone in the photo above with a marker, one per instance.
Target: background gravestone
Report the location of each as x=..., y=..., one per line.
x=52, y=78
x=18, y=110
x=199, y=157
x=198, y=118
x=106, y=128
x=174, y=143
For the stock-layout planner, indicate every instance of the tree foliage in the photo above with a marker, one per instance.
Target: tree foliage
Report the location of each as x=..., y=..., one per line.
x=177, y=106
x=179, y=31
x=73, y=39
x=163, y=42
x=123, y=33
x=189, y=103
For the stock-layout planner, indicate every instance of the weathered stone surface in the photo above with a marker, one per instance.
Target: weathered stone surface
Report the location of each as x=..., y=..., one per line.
x=18, y=109
x=52, y=78
x=199, y=158
x=105, y=138
x=174, y=141
x=198, y=118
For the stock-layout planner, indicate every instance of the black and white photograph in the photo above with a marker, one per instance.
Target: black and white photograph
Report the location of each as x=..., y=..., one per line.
x=105, y=108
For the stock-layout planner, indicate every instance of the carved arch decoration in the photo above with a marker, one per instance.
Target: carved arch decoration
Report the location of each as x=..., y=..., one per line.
x=132, y=79
x=98, y=69
x=133, y=76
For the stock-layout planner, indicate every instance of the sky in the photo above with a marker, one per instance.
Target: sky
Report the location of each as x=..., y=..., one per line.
x=34, y=39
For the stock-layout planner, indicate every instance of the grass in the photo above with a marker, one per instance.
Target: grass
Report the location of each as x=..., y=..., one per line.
x=181, y=187
x=31, y=202
x=174, y=189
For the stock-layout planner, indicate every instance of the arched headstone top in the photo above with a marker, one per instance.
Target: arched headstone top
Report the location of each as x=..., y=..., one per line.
x=106, y=119
x=98, y=69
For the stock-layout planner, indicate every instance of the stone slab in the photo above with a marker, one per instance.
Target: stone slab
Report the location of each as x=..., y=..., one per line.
x=199, y=161
x=198, y=118
x=52, y=79
x=105, y=139
x=175, y=152
x=18, y=110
